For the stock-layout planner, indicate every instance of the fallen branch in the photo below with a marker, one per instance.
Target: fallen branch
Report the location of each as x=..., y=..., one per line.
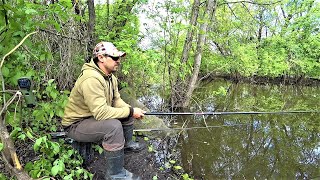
x=9, y=152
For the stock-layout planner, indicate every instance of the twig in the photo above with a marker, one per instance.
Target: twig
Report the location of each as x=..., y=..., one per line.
x=26, y=48
x=61, y=35
x=15, y=109
x=18, y=93
x=9, y=91
x=22, y=41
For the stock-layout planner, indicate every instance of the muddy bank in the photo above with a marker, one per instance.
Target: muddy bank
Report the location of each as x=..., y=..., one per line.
x=147, y=164
x=282, y=80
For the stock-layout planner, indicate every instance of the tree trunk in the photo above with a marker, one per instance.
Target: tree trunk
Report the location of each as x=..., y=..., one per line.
x=75, y=4
x=211, y=6
x=178, y=88
x=189, y=37
x=91, y=26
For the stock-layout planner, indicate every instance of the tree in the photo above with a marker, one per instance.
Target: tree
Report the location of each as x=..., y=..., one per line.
x=182, y=92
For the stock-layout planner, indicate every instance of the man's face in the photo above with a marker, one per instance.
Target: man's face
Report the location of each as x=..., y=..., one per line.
x=111, y=63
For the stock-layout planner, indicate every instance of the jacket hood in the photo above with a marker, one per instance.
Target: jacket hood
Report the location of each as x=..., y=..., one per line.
x=92, y=66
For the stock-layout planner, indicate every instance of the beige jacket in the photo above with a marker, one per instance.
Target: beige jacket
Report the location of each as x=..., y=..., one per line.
x=95, y=94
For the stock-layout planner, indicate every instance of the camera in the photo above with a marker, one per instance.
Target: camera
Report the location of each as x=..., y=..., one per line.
x=25, y=85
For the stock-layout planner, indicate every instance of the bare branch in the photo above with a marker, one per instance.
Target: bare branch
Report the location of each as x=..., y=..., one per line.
x=250, y=2
x=61, y=35
x=248, y=10
x=16, y=47
x=232, y=11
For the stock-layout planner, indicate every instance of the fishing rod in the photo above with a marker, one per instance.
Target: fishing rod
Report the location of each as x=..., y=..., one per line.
x=56, y=135
x=226, y=113
x=186, y=128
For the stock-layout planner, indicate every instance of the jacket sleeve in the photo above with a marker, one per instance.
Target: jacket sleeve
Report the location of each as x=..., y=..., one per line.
x=95, y=99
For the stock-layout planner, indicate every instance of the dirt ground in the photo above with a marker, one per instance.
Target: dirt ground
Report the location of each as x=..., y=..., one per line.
x=144, y=163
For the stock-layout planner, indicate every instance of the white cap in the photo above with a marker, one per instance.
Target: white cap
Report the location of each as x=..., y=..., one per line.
x=107, y=48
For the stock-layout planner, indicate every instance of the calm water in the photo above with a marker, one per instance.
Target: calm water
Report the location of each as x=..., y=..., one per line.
x=285, y=146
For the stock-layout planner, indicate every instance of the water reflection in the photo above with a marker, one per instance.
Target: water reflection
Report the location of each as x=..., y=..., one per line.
x=271, y=146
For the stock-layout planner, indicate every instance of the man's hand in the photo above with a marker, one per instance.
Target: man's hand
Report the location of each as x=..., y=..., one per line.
x=138, y=113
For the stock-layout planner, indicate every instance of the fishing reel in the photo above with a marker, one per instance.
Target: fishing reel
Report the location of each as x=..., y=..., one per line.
x=25, y=86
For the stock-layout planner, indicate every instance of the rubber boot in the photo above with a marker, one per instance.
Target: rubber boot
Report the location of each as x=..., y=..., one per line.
x=115, y=169
x=131, y=145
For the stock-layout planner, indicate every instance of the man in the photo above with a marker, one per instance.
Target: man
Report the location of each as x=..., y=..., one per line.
x=96, y=113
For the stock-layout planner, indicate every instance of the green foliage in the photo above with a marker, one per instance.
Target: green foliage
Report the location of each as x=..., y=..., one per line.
x=167, y=18
x=139, y=66
x=50, y=107
x=3, y=177
x=220, y=92
x=288, y=47
x=273, y=58
x=98, y=148
x=151, y=148
x=35, y=59
x=57, y=160
x=186, y=176
x=36, y=54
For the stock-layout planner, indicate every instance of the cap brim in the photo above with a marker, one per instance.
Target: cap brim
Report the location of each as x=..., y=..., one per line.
x=121, y=54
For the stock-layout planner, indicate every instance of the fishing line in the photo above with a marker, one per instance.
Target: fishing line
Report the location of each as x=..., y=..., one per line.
x=226, y=113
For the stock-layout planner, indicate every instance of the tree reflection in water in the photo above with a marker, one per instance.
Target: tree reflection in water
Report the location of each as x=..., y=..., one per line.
x=271, y=146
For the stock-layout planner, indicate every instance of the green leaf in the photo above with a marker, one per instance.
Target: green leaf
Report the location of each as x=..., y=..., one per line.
x=36, y=145
x=185, y=176
x=79, y=172
x=1, y=146
x=15, y=132
x=42, y=57
x=150, y=148
x=50, y=81
x=22, y=136
x=56, y=147
x=177, y=167
x=34, y=173
x=55, y=170
x=30, y=11
x=60, y=113
x=154, y=177
x=5, y=71
x=172, y=161
x=98, y=148
x=29, y=135
x=54, y=95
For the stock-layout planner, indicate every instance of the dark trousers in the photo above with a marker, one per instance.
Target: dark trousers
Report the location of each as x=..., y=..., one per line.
x=109, y=132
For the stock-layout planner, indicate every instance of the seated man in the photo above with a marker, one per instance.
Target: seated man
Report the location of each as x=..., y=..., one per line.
x=96, y=113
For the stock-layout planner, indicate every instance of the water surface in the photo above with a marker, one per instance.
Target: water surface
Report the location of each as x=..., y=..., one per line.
x=269, y=146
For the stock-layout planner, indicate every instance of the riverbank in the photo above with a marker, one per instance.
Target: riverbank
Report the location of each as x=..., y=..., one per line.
x=283, y=80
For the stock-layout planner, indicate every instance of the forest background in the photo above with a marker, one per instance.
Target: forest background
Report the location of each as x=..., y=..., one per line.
x=174, y=43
